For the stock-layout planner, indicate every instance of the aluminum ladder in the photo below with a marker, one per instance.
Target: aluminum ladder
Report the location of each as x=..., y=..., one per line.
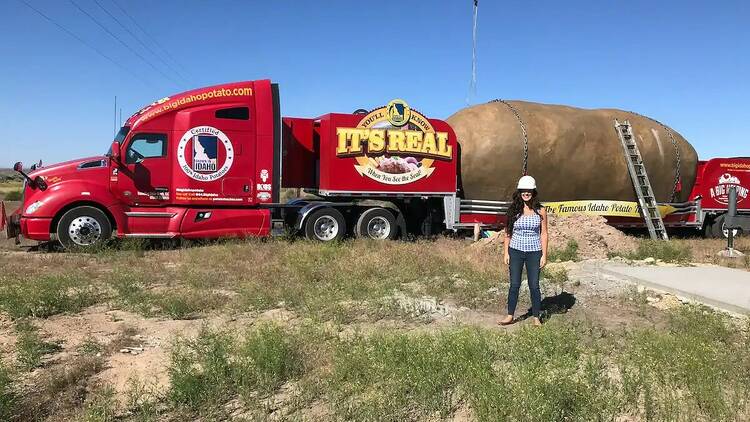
x=646, y=199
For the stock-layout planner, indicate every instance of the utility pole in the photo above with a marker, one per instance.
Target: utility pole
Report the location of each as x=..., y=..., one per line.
x=114, y=120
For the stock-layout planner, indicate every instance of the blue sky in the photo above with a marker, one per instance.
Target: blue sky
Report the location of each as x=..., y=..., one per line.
x=685, y=63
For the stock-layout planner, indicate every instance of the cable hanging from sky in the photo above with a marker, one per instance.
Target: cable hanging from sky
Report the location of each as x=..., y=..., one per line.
x=82, y=41
x=170, y=67
x=473, y=83
x=153, y=40
x=123, y=43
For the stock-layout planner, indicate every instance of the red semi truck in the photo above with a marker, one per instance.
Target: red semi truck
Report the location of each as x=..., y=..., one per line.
x=211, y=162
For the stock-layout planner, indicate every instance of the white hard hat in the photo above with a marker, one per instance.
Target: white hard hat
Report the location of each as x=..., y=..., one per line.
x=526, y=182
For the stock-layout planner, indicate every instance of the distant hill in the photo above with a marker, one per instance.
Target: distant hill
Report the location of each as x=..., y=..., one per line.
x=8, y=175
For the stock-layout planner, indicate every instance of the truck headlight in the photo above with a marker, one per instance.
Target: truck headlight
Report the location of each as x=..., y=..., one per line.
x=33, y=207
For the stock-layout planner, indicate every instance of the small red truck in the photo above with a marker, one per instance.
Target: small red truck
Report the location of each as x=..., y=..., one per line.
x=211, y=162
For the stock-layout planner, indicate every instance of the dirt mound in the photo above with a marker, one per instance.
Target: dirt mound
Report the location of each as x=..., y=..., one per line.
x=594, y=237
x=592, y=234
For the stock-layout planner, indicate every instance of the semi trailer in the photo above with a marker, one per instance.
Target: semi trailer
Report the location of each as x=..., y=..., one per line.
x=212, y=162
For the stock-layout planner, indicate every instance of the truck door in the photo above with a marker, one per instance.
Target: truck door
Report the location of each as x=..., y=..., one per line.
x=145, y=174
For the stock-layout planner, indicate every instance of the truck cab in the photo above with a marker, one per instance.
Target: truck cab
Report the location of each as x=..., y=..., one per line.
x=197, y=164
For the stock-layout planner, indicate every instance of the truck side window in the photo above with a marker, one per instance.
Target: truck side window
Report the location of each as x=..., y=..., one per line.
x=146, y=145
x=237, y=113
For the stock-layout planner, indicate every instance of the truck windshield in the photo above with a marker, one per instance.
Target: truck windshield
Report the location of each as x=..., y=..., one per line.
x=119, y=138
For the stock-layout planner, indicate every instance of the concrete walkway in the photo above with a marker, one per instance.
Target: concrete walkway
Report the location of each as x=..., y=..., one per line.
x=724, y=288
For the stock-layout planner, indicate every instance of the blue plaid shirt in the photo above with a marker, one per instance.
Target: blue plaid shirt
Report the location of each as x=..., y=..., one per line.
x=527, y=233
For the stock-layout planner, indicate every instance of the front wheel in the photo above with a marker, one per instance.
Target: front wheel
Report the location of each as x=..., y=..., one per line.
x=325, y=225
x=83, y=227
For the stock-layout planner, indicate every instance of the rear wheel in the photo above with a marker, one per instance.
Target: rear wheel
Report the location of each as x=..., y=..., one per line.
x=325, y=225
x=376, y=223
x=83, y=227
x=719, y=230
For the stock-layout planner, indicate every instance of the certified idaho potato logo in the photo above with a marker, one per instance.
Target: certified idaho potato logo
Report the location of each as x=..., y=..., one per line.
x=399, y=112
x=205, y=153
x=394, y=144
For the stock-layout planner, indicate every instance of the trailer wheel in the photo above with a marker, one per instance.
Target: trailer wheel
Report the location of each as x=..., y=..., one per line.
x=83, y=227
x=325, y=225
x=718, y=228
x=376, y=223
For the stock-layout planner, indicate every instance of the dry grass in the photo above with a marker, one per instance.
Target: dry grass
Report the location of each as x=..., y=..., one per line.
x=348, y=350
x=705, y=250
x=10, y=191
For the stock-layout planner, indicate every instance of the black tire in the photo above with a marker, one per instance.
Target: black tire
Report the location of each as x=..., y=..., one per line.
x=325, y=225
x=376, y=223
x=83, y=227
x=717, y=229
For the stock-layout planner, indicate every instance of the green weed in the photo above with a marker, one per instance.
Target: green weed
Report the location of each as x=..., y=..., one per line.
x=142, y=401
x=132, y=293
x=90, y=347
x=688, y=373
x=101, y=406
x=14, y=195
x=30, y=348
x=659, y=249
x=9, y=396
x=569, y=253
x=207, y=371
x=558, y=277
x=46, y=296
x=315, y=279
x=532, y=375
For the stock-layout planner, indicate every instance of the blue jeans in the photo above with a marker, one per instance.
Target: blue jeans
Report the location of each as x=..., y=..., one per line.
x=532, y=261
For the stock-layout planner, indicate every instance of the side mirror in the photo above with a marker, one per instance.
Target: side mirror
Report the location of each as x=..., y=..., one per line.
x=18, y=167
x=115, y=151
x=40, y=183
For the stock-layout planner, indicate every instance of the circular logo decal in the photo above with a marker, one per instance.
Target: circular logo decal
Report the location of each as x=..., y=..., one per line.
x=399, y=112
x=200, y=151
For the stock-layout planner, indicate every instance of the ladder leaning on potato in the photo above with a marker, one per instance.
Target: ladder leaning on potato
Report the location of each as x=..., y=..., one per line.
x=646, y=199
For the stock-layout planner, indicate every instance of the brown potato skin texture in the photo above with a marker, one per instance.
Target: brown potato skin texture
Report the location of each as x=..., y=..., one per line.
x=573, y=153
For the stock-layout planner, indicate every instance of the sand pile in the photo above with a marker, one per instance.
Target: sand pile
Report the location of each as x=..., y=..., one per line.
x=594, y=237
x=592, y=234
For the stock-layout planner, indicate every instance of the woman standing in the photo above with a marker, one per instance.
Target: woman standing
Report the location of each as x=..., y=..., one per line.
x=525, y=243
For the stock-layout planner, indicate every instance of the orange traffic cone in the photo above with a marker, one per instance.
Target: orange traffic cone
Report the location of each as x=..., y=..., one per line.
x=3, y=217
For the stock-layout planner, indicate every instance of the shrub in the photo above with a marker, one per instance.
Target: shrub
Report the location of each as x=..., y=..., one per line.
x=30, y=348
x=101, y=406
x=664, y=250
x=569, y=253
x=532, y=375
x=14, y=195
x=689, y=373
x=46, y=296
x=207, y=371
x=131, y=293
x=9, y=397
x=267, y=358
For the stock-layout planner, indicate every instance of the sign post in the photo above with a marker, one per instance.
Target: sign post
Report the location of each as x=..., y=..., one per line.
x=733, y=222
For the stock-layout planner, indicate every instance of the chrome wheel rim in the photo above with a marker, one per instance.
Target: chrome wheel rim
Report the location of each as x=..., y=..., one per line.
x=84, y=231
x=378, y=228
x=326, y=227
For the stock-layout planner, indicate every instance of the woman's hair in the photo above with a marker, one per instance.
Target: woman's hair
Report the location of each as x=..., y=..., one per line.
x=516, y=209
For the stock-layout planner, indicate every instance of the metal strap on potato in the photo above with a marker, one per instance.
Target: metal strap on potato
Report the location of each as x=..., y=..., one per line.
x=676, y=151
x=525, y=135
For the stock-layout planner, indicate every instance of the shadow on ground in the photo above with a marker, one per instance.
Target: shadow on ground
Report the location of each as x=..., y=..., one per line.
x=557, y=304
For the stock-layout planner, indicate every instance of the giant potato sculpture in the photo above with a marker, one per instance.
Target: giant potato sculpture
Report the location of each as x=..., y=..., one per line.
x=573, y=153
